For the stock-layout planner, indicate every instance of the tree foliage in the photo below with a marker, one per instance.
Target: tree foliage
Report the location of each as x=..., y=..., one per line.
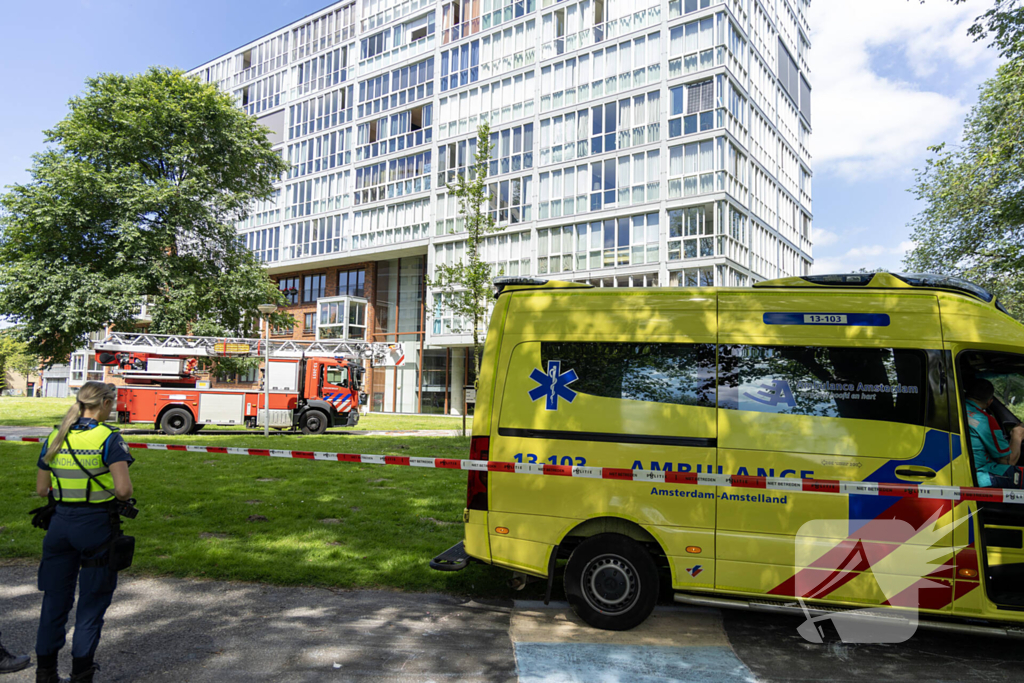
x=15, y=356
x=1004, y=23
x=465, y=288
x=973, y=221
x=137, y=195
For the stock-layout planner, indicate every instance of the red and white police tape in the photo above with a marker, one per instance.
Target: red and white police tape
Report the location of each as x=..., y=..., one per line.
x=860, y=488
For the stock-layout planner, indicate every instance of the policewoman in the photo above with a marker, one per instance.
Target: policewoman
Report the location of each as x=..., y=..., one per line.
x=84, y=466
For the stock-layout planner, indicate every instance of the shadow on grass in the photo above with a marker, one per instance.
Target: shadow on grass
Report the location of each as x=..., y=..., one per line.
x=313, y=523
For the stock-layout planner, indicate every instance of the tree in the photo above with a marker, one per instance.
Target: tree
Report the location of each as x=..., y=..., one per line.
x=1005, y=23
x=465, y=288
x=973, y=221
x=17, y=357
x=137, y=195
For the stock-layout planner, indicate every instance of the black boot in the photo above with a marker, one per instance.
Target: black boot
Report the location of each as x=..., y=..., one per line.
x=10, y=663
x=84, y=676
x=47, y=675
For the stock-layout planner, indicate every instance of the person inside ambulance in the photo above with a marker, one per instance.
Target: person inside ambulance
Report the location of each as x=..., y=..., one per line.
x=995, y=456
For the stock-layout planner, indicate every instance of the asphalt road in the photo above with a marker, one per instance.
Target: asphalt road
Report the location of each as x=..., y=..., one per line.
x=164, y=630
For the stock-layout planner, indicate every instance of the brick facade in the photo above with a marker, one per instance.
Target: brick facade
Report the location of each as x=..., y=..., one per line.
x=300, y=309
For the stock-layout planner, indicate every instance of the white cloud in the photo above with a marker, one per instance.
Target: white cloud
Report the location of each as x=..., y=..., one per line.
x=867, y=124
x=868, y=256
x=823, y=238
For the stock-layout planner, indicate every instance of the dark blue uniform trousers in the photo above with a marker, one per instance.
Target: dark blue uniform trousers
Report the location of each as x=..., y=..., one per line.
x=74, y=531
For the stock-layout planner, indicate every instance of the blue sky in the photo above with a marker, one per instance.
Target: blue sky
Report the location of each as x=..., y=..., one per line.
x=890, y=78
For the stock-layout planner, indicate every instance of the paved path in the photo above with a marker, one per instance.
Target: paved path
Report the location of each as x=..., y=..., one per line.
x=164, y=630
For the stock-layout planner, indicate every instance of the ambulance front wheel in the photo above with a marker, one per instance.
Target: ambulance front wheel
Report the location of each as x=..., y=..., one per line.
x=611, y=582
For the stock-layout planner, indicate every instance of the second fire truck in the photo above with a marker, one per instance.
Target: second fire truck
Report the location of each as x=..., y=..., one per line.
x=313, y=385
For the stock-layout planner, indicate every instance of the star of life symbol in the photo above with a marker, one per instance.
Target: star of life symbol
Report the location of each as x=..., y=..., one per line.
x=553, y=385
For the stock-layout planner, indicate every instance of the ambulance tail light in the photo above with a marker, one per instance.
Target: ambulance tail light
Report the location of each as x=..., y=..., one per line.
x=476, y=491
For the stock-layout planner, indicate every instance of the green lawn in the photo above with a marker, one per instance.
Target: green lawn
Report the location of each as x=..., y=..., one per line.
x=46, y=412
x=327, y=523
x=32, y=412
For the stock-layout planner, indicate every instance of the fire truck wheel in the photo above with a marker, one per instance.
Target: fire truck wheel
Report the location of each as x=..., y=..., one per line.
x=611, y=582
x=176, y=421
x=196, y=428
x=314, y=422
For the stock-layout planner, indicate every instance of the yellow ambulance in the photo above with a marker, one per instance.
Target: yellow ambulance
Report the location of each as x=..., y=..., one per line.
x=701, y=396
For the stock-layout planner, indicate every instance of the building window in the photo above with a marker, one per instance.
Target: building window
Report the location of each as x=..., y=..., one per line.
x=678, y=7
x=396, y=89
x=691, y=169
x=463, y=63
x=692, y=47
x=351, y=282
x=289, y=286
x=78, y=367
x=509, y=200
x=690, y=233
x=394, y=178
x=511, y=150
x=498, y=102
x=313, y=288
x=693, y=105
x=321, y=153
x=693, y=277
x=402, y=131
x=320, y=113
x=345, y=319
x=627, y=241
x=309, y=324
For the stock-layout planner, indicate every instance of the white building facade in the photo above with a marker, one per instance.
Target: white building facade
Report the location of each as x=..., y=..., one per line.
x=637, y=143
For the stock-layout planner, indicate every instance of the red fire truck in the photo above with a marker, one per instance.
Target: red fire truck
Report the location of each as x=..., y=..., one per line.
x=313, y=385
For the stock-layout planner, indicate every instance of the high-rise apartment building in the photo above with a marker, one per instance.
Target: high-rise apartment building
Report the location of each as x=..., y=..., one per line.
x=637, y=143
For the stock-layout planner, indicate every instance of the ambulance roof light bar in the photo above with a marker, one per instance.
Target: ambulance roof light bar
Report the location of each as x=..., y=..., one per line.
x=527, y=283
x=885, y=281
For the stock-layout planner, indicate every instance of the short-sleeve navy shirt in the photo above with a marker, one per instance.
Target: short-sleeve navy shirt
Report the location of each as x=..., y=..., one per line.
x=114, y=448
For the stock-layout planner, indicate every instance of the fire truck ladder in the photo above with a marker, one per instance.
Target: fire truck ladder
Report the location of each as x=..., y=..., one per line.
x=381, y=354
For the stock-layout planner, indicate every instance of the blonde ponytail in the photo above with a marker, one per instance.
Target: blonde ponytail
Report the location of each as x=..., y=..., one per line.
x=91, y=395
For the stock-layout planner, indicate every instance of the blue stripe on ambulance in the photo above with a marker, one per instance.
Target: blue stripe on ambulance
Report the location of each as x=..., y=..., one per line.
x=935, y=454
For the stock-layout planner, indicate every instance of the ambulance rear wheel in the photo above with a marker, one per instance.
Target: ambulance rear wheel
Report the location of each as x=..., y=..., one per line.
x=177, y=421
x=611, y=582
x=314, y=422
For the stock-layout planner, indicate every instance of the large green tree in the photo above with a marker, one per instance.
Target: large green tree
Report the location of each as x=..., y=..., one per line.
x=465, y=288
x=136, y=195
x=973, y=221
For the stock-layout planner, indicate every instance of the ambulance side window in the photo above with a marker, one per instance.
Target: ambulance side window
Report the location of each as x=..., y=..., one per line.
x=883, y=384
x=683, y=374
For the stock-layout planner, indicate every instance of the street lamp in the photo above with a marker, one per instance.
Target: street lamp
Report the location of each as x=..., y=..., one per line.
x=266, y=310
